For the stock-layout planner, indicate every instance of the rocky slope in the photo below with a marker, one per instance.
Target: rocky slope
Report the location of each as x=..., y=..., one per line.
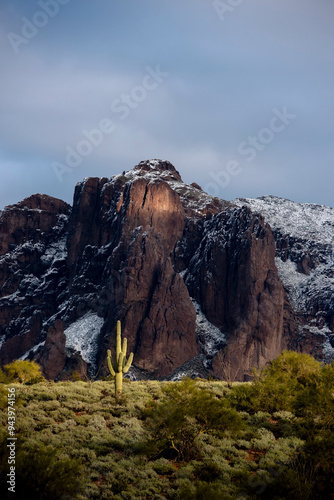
x=304, y=256
x=200, y=284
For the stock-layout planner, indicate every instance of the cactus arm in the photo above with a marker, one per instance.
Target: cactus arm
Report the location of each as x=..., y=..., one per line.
x=118, y=341
x=110, y=366
x=124, y=348
x=128, y=364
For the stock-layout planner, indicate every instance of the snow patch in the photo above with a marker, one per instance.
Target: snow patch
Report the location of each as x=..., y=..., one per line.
x=294, y=282
x=328, y=349
x=82, y=336
x=180, y=375
x=2, y=340
x=209, y=335
x=304, y=221
x=32, y=350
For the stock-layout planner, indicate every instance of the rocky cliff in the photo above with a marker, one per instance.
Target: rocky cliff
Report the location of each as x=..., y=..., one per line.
x=304, y=256
x=198, y=283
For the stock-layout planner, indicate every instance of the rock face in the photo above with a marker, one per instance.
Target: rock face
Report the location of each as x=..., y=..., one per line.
x=192, y=278
x=233, y=277
x=52, y=358
x=33, y=271
x=304, y=256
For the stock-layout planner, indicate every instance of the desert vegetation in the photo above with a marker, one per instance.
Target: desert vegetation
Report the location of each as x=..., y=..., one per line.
x=189, y=440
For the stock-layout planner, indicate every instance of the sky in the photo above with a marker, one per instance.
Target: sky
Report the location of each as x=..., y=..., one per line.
x=236, y=94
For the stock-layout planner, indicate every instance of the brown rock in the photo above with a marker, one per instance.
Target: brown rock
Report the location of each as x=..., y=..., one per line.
x=18, y=345
x=128, y=238
x=27, y=220
x=166, y=337
x=237, y=285
x=157, y=314
x=53, y=357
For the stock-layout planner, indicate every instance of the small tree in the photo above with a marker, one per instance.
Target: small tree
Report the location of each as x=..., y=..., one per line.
x=120, y=366
x=277, y=385
x=23, y=372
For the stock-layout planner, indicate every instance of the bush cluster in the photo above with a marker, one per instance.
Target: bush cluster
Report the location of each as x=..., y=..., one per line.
x=299, y=391
x=192, y=439
x=184, y=413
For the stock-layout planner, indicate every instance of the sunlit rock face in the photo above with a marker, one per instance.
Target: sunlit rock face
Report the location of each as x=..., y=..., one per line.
x=201, y=286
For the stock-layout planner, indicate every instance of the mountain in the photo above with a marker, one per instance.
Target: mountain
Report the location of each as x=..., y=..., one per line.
x=202, y=286
x=304, y=257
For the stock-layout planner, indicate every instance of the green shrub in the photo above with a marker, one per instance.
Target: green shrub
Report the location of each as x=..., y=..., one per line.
x=40, y=473
x=163, y=466
x=243, y=397
x=22, y=372
x=278, y=384
x=309, y=476
x=3, y=397
x=185, y=412
x=201, y=490
x=316, y=397
x=208, y=470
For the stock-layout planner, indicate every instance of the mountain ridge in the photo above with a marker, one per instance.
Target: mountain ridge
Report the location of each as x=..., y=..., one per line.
x=200, y=284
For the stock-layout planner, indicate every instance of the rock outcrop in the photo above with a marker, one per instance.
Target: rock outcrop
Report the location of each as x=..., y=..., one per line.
x=233, y=276
x=304, y=236
x=52, y=358
x=192, y=278
x=33, y=271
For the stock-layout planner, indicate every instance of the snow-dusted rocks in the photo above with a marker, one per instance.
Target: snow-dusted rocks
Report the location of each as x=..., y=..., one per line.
x=82, y=336
x=197, y=282
x=304, y=240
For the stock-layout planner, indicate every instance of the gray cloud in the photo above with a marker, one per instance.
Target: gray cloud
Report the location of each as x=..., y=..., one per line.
x=225, y=78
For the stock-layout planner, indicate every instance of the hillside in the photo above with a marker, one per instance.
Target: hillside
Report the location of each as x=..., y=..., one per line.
x=186, y=440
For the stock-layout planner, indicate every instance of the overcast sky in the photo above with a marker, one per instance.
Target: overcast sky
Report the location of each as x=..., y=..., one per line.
x=237, y=94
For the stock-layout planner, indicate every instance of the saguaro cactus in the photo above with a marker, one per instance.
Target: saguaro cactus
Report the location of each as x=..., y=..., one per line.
x=120, y=365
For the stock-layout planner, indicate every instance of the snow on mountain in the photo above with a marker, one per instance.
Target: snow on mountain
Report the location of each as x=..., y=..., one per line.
x=192, y=196
x=208, y=334
x=32, y=350
x=307, y=222
x=304, y=236
x=82, y=336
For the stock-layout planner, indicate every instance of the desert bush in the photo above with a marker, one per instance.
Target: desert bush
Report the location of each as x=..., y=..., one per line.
x=277, y=385
x=208, y=470
x=185, y=412
x=284, y=415
x=264, y=439
x=202, y=490
x=3, y=397
x=40, y=473
x=316, y=397
x=243, y=398
x=309, y=476
x=23, y=372
x=163, y=466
